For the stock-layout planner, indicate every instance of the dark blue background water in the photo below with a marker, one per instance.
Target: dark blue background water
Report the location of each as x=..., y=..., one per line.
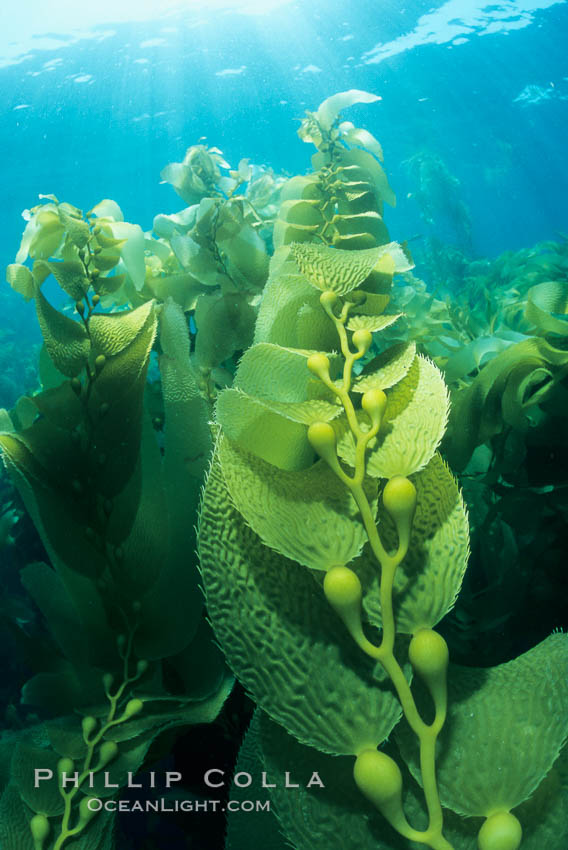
x=466, y=102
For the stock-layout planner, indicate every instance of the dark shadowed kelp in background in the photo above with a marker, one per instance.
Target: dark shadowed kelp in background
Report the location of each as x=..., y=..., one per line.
x=114, y=500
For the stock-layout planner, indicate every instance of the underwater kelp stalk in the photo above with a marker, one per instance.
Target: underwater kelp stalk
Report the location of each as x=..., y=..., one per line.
x=333, y=538
x=114, y=503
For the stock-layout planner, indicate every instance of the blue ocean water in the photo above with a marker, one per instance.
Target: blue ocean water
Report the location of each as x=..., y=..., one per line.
x=97, y=100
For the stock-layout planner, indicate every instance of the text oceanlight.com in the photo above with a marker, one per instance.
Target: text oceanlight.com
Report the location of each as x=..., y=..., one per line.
x=161, y=805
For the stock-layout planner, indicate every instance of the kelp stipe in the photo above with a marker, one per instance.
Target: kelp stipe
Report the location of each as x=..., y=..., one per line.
x=114, y=503
x=326, y=577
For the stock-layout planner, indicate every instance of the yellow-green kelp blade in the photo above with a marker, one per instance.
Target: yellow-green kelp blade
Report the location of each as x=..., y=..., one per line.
x=282, y=639
x=547, y=307
x=413, y=425
x=290, y=312
x=255, y=427
x=269, y=371
x=372, y=323
x=335, y=268
x=308, y=516
x=274, y=397
x=75, y=225
x=376, y=293
x=66, y=341
x=112, y=333
x=387, y=369
x=337, y=817
x=285, y=233
x=70, y=275
x=21, y=280
x=429, y=579
x=510, y=383
x=358, y=232
x=366, y=162
x=225, y=324
x=505, y=729
x=302, y=213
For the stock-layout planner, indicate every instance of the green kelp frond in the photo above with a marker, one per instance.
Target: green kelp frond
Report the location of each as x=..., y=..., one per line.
x=332, y=535
x=329, y=110
x=125, y=646
x=342, y=271
x=306, y=515
x=502, y=395
x=547, y=307
x=341, y=203
x=281, y=637
x=199, y=175
x=507, y=726
x=335, y=818
x=427, y=584
x=414, y=423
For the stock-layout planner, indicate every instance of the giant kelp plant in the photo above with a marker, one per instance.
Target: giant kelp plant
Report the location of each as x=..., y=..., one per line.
x=333, y=537
x=114, y=503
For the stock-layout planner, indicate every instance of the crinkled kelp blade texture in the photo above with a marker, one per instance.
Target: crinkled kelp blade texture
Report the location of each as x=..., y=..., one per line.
x=428, y=581
x=273, y=398
x=256, y=426
x=281, y=638
x=308, y=516
x=412, y=428
x=506, y=727
x=547, y=307
x=336, y=817
x=66, y=340
x=272, y=372
x=290, y=314
x=333, y=268
x=386, y=369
